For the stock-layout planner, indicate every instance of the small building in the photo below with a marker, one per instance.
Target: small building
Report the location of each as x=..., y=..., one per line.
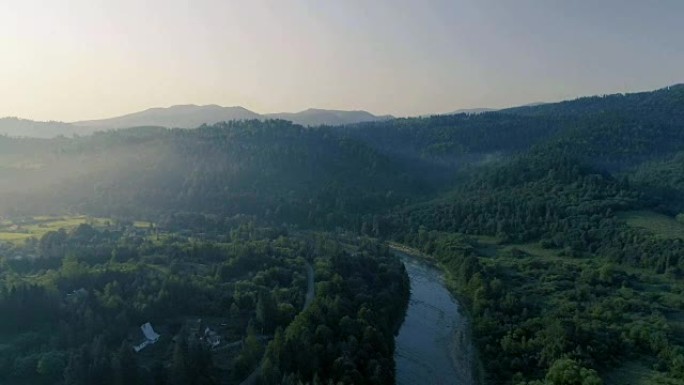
x=150, y=335
x=211, y=338
x=77, y=295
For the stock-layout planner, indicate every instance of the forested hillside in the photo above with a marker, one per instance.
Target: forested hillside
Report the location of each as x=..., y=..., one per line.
x=664, y=101
x=454, y=141
x=611, y=131
x=663, y=178
x=279, y=171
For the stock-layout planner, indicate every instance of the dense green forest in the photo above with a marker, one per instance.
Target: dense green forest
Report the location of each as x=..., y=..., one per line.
x=274, y=169
x=347, y=335
x=559, y=227
x=612, y=132
x=216, y=302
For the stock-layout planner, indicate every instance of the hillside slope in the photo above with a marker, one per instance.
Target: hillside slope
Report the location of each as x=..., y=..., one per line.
x=612, y=132
x=32, y=129
x=273, y=169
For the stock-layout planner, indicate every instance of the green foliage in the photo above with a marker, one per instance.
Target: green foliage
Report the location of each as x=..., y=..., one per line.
x=663, y=180
x=532, y=307
x=89, y=289
x=274, y=169
x=347, y=335
x=266, y=312
x=566, y=371
x=657, y=224
x=51, y=364
x=125, y=366
x=614, y=131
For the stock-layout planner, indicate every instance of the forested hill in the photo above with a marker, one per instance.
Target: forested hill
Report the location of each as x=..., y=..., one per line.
x=327, y=176
x=536, y=197
x=664, y=101
x=663, y=179
x=614, y=131
x=274, y=169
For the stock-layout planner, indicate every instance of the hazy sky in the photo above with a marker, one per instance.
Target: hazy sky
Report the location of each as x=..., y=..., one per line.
x=82, y=59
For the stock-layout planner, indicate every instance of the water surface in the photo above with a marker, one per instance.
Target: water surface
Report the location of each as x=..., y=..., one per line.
x=433, y=346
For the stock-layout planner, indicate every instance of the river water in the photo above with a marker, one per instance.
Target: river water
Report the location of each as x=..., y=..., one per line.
x=433, y=345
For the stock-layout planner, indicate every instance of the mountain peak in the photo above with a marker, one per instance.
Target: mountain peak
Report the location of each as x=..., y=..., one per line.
x=181, y=115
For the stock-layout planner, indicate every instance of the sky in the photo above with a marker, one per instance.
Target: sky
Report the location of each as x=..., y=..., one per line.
x=86, y=59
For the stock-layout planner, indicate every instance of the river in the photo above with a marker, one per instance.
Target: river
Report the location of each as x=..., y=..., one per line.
x=433, y=345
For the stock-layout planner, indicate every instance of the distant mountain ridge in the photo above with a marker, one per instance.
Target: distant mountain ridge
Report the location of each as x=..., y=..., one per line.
x=476, y=111
x=181, y=116
x=191, y=116
x=471, y=111
x=29, y=128
x=319, y=117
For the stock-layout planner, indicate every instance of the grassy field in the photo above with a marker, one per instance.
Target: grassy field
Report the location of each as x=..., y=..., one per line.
x=21, y=229
x=491, y=247
x=13, y=237
x=141, y=224
x=659, y=224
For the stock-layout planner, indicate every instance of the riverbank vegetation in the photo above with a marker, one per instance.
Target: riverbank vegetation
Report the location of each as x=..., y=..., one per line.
x=559, y=271
x=537, y=310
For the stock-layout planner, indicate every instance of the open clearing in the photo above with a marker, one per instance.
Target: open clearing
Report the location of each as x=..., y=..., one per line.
x=19, y=230
x=659, y=224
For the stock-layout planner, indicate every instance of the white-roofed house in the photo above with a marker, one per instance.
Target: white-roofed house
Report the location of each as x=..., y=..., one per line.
x=150, y=337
